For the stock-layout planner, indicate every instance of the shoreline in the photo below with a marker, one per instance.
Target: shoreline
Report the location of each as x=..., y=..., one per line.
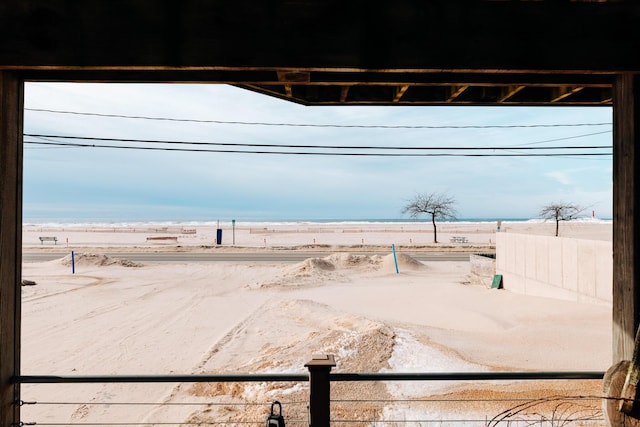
x=347, y=236
x=290, y=222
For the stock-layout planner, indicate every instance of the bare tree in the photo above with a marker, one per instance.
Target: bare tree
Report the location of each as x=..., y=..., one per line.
x=560, y=212
x=438, y=205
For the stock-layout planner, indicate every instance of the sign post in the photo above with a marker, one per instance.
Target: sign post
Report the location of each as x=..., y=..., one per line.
x=395, y=260
x=233, y=230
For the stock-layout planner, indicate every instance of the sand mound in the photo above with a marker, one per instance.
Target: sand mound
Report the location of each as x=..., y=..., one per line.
x=347, y=260
x=405, y=262
x=98, y=260
x=315, y=271
x=372, y=263
x=311, y=265
x=336, y=267
x=359, y=344
x=309, y=272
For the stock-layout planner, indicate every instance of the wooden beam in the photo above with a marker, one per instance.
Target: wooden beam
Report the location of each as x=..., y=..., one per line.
x=11, y=107
x=509, y=92
x=626, y=214
x=456, y=91
x=400, y=93
x=320, y=76
x=344, y=93
x=293, y=76
x=564, y=92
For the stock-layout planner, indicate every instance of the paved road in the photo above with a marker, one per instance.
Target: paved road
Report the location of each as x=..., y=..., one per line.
x=237, y=256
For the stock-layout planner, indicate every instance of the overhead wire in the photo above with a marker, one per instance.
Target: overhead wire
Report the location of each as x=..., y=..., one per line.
x=563, y=138
x=309, y=153
x=306, y=146
x=316, y=125
x=54, y=143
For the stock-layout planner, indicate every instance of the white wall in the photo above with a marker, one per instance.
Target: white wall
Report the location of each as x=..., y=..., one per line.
x=556, y=267
x=481, y=270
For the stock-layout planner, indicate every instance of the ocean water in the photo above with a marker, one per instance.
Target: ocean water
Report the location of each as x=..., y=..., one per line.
x=271, y=222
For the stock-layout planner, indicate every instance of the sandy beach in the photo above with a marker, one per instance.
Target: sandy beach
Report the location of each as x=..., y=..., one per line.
x=114, y=316
x=300, y=235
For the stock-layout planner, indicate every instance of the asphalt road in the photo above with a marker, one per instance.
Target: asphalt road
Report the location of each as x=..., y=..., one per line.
x=237, y=256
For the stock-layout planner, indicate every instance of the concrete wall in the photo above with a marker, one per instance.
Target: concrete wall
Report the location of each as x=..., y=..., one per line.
x=482, y=269
x=556, y=267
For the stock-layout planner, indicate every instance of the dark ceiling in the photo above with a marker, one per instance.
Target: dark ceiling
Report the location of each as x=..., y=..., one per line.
x=327, y=52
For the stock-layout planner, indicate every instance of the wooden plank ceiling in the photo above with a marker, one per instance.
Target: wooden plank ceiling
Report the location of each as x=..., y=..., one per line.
x=392, y=88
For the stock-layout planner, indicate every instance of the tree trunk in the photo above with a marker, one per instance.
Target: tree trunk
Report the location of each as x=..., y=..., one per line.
x=557, y=225
x=435, y=231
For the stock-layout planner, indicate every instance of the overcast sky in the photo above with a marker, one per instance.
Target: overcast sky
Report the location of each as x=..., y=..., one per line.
x=106, y=184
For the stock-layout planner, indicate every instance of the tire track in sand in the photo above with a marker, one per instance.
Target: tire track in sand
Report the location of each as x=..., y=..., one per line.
x=232, y=334
x=97, y=281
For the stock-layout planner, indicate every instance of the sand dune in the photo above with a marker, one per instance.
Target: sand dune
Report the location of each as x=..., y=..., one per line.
x=88, y=258
x=338, y=267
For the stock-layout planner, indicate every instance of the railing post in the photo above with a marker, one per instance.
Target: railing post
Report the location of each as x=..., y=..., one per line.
x=320, y=389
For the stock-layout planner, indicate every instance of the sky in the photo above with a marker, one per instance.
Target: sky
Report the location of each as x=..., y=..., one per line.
x=83, y=184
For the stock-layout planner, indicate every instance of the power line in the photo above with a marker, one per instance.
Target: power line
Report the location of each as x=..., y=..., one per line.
x=317, y=125
x=308, y=153
x=563, y=138
x=332, y=147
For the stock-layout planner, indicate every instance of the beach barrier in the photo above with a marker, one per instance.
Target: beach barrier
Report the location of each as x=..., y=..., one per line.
x=292, y=231
x=121, y=229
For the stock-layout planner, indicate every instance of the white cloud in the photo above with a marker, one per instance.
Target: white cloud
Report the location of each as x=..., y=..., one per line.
x=560, y=176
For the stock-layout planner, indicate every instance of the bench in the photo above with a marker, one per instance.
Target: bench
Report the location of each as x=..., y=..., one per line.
x=459, y=239
x=48, y=239
x=162, y=239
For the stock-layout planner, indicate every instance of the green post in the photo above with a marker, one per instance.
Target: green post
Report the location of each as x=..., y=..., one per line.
x=395, y=260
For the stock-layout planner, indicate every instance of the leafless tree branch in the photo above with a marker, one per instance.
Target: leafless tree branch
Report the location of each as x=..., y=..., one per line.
x=560, y=211
x=438, y=206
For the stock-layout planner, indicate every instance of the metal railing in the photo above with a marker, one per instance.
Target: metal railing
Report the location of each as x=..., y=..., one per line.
x=322, y=411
